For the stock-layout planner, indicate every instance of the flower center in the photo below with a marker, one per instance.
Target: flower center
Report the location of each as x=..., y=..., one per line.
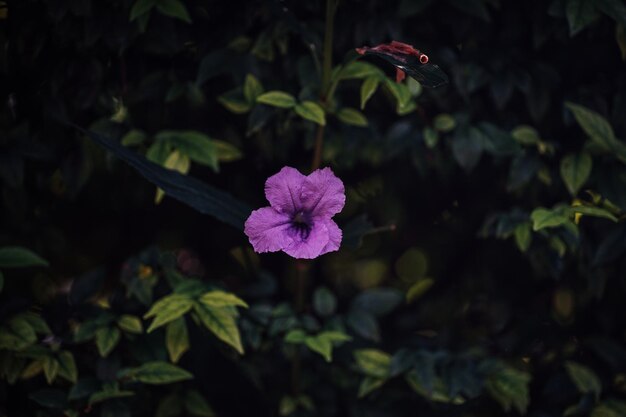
x=301, y=224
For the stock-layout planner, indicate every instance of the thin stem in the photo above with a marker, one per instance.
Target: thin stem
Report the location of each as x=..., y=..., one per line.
x=327, y=64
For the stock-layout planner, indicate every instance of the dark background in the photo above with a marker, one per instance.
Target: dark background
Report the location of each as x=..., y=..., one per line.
x=510, y=63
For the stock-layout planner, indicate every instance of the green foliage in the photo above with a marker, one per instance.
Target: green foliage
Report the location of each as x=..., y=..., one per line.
x=483, y=238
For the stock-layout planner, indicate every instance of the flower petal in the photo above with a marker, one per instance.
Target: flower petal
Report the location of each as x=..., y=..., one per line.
x=267, y=230
x=282, y=190
x=323, y=194
x=308, y=246
x=334, y=237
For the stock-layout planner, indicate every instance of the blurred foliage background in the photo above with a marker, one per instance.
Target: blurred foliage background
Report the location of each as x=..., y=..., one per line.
x=482, y=271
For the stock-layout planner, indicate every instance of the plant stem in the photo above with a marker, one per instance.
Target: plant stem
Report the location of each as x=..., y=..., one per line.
x=327, y=64
x=302, y=267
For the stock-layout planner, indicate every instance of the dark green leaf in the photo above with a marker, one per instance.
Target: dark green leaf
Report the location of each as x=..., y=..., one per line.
x=324, y=302
x=200, y=196
x=173, y=8
x=378, y=301
x=130, y=324
x=368, y=88
x=158, y=373
x=580, y=13
x=444, y=122
x=320, y=345
x=352, y=117
x=140, y=7
x=369, y=384
x=51, y=398
x=106, y=340
x=18, y=257
x=252, y=89
x=277, y=99
x=196, y=145
x=543, y=218
x=221, y=322
x=217, y=298
x=67, y=366
x=176, y=339
x=584, y=378
x=196, y=405
x=575, y=169
x=167, y=309
x=373, y=362
x=312, y=111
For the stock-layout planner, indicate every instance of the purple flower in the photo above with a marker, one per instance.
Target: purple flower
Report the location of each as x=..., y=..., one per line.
x=298, y=220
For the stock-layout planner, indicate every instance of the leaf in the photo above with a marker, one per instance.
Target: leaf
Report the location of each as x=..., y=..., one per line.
x=575, y=170
x=134, y=137
x=543, y=218
x=593, y=211
x=176, y=339
x=159, y=373
x=130, y=324
x=352, y=117
x=444, y=122
x=368, y=88
x=334, y=336
x=378, y=301
x=19, y=257
x=411, y=265
x=173, y=8
x=373, y=362
x=36, y=322
x=400, y=92
x=108, y=392
x=584, y=378
x=140, y=7
x=170, y=406
x=50, y=369
x=509, y=387
x=610, y=408
x=418, y=289
x=217, y=298
x=369, y=384
x=221, y=322
x=226, y=152
x=277, y=99
x=167, y=309
x=200, y=196
x=467, y=147
x=106, y=340
x=595, y=126
x=431, y=137
x=48, y=397
x=176, y=162
x=197, y=405
x=159, y=151
x=359, y=70
x=295, y=336
x=580, y=13
x=195, y=145
x=234, y=102
x=523, y=236
x=32, y=370
x=67, y=366
x=252, y=89
x=363, y=324
x=324, y=302
x=320, y=345
x=312, y=111
x=526, y=135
